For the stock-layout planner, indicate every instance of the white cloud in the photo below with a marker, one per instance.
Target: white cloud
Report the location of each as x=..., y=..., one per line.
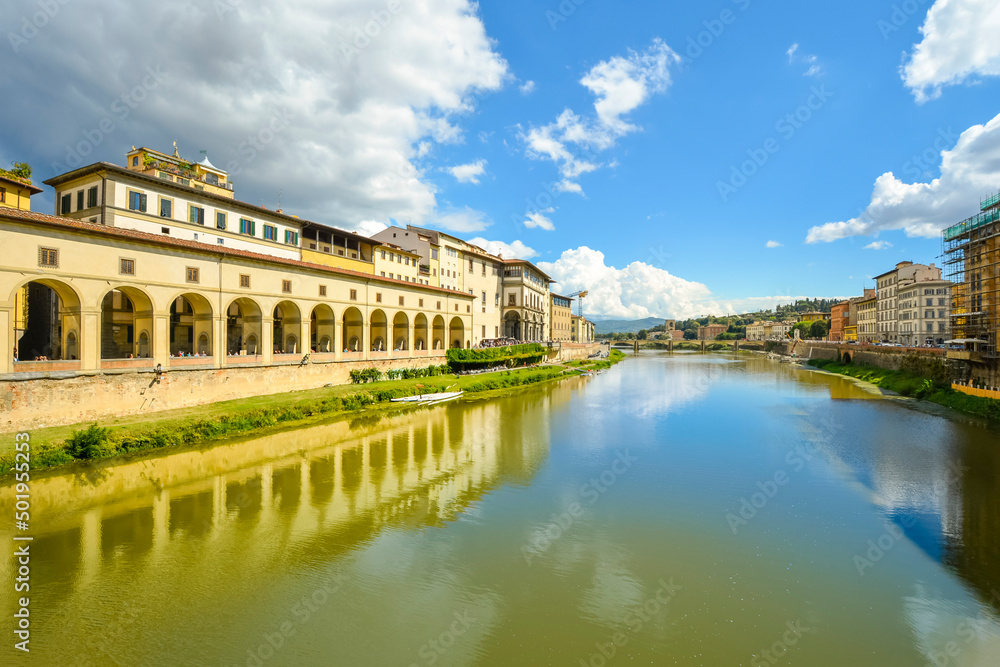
x=515, y=250
x=536, y=220
x=969, y=170
x=959, y=42
x=468, y=173
x=360, y=114
x=527, y=87
x=620, y=84
x=773, y=244
x=878, y=245
x=636, y=291
x=368, y=227
x=460, y=220
x=812, y=62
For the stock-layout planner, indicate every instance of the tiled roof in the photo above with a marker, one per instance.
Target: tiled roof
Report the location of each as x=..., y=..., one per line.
x=90, y=227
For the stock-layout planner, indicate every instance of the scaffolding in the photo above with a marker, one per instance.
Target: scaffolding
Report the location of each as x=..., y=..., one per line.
x=972, y=264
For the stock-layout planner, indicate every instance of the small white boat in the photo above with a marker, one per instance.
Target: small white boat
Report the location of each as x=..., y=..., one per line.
x=429, y=399
x=409, y=399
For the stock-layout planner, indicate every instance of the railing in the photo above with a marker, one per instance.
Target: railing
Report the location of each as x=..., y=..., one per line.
x=990, y=201
x=111, y=364
x=970, y=224
x=973, y=391
x=46, y=366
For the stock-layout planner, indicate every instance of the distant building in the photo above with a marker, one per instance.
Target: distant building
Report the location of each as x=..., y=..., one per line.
x=867, y=319
x=852, y=327
x=709, y=332
x=670, y=325
x=814, y=316
x=16, y=192
x=582, y=329
x=925, y=313
x=888, y=285
x=839, y=320
x=561, y=318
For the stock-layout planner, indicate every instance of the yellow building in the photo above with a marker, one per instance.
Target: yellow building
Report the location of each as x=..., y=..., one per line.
x=582, y=329
x=394, y=263
x=104, y=298
x=16, y=192
x=851, y=332
x=814, y=316
x=560, y=318
x=972, y=257
x=525, y=301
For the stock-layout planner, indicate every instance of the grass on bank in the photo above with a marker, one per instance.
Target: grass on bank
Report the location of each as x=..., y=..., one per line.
x=915, y=386
x=202, y=424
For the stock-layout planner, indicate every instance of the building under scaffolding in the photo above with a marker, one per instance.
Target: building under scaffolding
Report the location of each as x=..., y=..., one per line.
x=972, y=263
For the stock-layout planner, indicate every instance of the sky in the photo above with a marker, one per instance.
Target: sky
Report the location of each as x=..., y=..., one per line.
x=676, y=159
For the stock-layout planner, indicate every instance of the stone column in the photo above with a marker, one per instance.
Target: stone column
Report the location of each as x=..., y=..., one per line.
x=7, y=339
x=90, y=339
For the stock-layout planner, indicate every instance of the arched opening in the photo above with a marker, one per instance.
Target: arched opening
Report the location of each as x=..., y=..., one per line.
x=243, y=327
x=190, y=321
x=46, y=322
x=125, y=312
x=380, y=331
x=420, y=332
x=352, y=330
x=322, y=324
x=456, y=332
x=400, y=332
x=512, y=326
x=846, y=358
x=438, y=336
x=144, y=349
x=287, y=323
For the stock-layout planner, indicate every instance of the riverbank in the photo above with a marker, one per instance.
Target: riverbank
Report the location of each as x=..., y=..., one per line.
x=51, y=447
x=915, y=386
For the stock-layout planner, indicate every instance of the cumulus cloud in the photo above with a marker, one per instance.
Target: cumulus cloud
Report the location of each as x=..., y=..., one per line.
x=368, y=227
x=959, y=43
x=536, y=220
x=633, y=292
x=773, y=244
x=527, y=87
x=878, y=245
x=460, y=220
x=515, y=250
x=468, y=173
x=621, y=85
x=315, y=99
x=969, y=170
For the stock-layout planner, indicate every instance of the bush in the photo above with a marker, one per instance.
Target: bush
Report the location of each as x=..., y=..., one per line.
x=89, y=444
x=514, y=355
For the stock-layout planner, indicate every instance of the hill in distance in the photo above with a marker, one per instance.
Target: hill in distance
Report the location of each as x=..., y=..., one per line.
x=626, y=326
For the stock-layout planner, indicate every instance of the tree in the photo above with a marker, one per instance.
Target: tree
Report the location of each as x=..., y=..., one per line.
x=21, y=170
x=819, y=329
x=691, y=334
x=643, y=334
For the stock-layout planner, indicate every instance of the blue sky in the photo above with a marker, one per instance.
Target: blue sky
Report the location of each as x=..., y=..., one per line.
x=649, y=151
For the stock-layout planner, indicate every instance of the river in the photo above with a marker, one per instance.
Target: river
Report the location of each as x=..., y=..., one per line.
x=675, y=510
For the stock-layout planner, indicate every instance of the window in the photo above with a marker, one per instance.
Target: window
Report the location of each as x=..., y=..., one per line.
x=471, y=266
x=135, y=161
x=196, y=214
x=439, y=305
x=92, y=197
x=399, y=259
x=48, y=257
x=3, y=195
x=191, y=274
x=383, y=274
x=434, y=254
x=392, y=257
x=497, y=303
x=420, y=303
x=165, y=230
x=247, y=226
x=378, y=297
x=484, y=298
x=126, y=267
x=401, y=301
x=451, y=252
x=383, y=254
x=166, y=208
x=136, y=201
x=484, y=331
x=941, y=302
x=286, y=286
x=244, y=281
x=322, y=290
x=220, y=220
x=930, y=327
x=79, y=200
x=354, y=295
x=66, y=204
x=392, y=276
x=291, y=238
x=270, y=233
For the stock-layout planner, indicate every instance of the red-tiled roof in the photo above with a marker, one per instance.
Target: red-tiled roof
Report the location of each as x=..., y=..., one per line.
x=33, y=189
x=166, y=241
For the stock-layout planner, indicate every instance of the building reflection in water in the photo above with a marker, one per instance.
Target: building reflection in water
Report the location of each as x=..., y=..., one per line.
x=311, y=494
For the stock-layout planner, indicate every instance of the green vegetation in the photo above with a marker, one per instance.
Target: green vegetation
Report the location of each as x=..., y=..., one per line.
x=513, y=355
x=204, y=424
x=375, y=375
x=908, y=383
x=21, y=172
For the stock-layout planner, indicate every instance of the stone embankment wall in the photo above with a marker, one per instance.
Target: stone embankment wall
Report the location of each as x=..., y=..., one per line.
x=930, y=362
x=574, y=351
x=38, y=403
